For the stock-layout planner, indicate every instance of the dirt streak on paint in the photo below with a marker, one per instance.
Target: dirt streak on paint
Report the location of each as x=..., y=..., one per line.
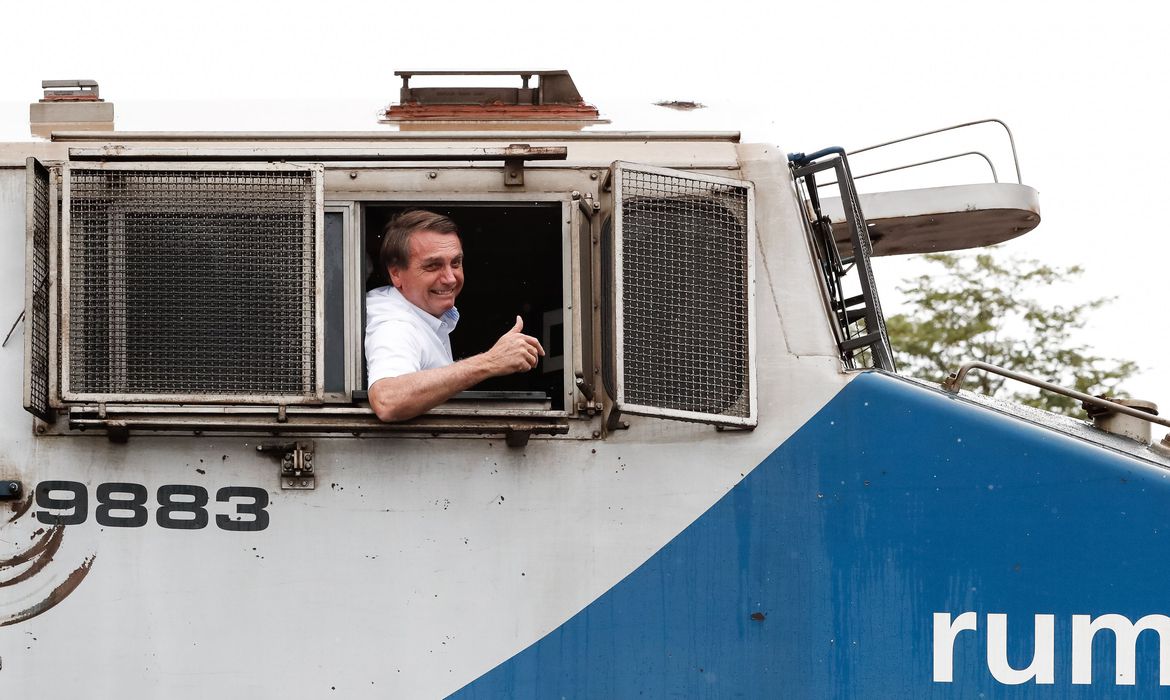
x=42, y=559
x=49, y=542
x=19, y=509
x=59, y=594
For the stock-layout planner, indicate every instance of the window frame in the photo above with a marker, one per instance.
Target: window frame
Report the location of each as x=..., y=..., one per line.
x=570, y=274
x=616, y=264
x=64, y=280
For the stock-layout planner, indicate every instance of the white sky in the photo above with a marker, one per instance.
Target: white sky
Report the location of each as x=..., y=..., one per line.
x=1081, y=85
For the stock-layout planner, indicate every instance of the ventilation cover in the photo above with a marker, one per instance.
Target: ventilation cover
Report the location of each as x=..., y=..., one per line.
x=683, y=305
x=37, y=303
x=192, y=282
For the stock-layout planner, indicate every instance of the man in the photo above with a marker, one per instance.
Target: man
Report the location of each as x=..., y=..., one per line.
x=408, y=348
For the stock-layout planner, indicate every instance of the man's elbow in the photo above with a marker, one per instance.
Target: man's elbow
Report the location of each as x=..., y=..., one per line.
x=388, y=404
x=387, y=413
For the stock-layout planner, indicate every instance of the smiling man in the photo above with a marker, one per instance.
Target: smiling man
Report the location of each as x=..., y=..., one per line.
x=408, y=324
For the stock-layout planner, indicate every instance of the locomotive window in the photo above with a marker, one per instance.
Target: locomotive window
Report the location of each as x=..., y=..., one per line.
x=514, y=266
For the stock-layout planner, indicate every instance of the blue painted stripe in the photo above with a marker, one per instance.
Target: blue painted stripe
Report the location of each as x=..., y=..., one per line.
x=817, y=575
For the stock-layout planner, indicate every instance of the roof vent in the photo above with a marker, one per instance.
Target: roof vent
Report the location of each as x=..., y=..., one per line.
x=1121, y=424
x=70, y=105
x=553, y=104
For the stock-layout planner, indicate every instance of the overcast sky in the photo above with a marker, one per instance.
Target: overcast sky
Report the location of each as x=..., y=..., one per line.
x=1081, y=86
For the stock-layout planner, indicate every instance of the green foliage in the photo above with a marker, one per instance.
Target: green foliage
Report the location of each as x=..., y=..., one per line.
x=979, y=307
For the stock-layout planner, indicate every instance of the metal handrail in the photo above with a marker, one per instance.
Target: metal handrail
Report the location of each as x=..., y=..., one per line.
x=994, y=175
x=953, y=382
x=1011, y=140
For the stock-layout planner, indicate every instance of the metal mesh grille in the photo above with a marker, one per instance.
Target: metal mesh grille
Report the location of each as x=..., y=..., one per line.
x=192, y=282
x=37, y=311
x=685, y=294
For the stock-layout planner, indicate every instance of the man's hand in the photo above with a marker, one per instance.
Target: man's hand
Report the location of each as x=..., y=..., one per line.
x=408, y=395
x=513, y=352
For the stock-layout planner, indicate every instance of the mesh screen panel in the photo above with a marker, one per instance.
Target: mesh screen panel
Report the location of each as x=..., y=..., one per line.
x=37, y=311
x=192, y=282
x=685, y=297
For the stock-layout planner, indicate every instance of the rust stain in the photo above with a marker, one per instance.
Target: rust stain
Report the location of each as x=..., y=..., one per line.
x=20, y=508
x=59, y=594
x=48, y=543
x=39, y=563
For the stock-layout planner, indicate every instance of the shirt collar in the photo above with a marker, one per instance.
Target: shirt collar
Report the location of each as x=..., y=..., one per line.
x=445, y=323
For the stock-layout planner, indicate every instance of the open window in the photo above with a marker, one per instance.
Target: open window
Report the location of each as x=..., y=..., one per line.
x=679, y=296
x=515, y=264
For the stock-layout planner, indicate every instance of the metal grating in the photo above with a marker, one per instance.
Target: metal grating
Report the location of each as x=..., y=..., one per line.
x=685, y=271
x=191, y=283
x=37, y=294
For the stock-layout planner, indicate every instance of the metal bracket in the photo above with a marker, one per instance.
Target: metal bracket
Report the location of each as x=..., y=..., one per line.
x=613, y=421
x=513, y=172
x=296, y=464
x=10, y=490
x=517, y=438
x=588, y=205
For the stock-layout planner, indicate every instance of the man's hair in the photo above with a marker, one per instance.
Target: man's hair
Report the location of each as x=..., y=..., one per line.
x=396, y=237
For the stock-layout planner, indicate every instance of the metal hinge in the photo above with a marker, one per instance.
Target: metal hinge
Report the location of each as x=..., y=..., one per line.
x=296, y=464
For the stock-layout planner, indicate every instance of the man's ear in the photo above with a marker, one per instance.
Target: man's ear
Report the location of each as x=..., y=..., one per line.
x=394, y=273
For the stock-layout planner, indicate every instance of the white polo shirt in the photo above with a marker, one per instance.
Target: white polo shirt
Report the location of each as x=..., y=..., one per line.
x=402, y=338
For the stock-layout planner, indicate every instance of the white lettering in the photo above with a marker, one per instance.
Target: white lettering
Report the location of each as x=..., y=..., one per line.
x=1042, y=667
x=1125, y=634
x=944, y=642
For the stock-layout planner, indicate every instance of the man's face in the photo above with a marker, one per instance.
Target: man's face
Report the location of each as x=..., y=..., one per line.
x=434, y=276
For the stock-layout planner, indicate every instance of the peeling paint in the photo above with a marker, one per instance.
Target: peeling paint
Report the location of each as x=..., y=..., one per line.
x=47, y=544
x=60, y=593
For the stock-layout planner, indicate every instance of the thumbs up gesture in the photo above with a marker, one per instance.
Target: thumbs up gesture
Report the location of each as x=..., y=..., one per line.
x=514, y=352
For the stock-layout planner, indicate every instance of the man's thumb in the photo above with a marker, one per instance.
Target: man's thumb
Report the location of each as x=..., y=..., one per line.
x=519, y=325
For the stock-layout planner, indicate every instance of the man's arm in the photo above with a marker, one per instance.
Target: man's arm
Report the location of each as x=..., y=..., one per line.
x=408, y=395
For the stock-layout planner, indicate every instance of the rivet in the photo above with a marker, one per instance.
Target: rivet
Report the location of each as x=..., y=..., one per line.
x=353, y=175
x=596, y=433
x=592, y=176
x=432, y=174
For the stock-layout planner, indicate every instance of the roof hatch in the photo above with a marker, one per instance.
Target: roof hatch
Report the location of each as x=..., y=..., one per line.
x=553, y=103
